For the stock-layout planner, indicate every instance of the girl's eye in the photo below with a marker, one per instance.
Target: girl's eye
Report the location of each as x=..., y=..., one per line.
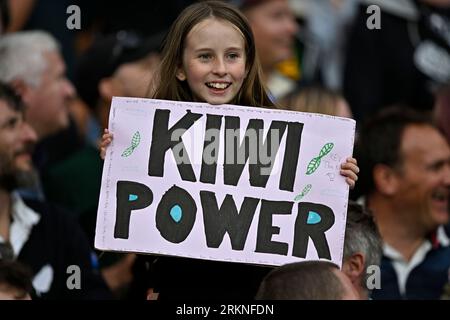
x=233, y=56
x=204, y=56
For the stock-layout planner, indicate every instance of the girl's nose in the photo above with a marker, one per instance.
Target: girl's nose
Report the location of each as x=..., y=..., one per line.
x=220, y=67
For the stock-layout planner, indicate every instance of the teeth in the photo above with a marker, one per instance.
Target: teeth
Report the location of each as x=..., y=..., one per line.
x=217, y=85
x=440, y=195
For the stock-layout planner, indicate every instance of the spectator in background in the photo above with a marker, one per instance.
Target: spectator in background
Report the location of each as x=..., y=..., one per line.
x=405, y=178
x=317, y=100
x=31, y=63
x=120, y=64
x=35, y=233
x=274, y=27
x=402, y=62
x=309, y=280
x=362, y=247
x=15, y=281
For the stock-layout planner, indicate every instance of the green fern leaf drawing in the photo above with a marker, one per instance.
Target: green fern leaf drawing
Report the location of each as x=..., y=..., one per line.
x=326, y=149
x=136, y=140
x=304, y=192
x=128, y=151
x=134, y=143
x=315, y=162
x=313, y=165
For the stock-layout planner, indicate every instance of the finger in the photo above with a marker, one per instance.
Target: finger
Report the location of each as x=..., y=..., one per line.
x=352, y=160
x=350, y=182
x=106, y=142
x=349, y=174
x=350, y=166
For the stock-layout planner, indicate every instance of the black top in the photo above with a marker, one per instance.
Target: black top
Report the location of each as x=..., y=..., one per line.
x=59, y=242
x=194, y=279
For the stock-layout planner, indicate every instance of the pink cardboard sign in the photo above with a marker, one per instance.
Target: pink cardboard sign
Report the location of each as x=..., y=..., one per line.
x=226, y=183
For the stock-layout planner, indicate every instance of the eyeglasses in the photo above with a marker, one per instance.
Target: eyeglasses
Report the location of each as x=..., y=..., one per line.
x=6, y=251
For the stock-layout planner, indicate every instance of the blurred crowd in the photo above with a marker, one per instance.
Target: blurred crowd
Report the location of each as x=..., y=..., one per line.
x=387, y=67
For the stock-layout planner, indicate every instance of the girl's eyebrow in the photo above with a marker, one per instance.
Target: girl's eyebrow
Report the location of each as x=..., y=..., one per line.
x=202, y=49
x=226, y=49
x=235, y=49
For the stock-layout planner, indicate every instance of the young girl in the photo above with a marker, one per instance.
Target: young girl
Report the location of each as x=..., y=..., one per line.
x=209, y=56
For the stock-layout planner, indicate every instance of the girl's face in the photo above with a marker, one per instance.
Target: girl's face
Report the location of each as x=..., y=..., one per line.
x=213, y=61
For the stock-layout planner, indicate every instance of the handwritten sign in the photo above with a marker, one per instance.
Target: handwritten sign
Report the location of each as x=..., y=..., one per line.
x=226, y=183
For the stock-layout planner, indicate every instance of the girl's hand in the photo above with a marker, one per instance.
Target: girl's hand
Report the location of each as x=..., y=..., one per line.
x=106, y=141
x=350, y=171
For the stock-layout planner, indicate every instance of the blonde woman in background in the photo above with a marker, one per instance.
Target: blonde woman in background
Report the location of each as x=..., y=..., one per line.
x=317, y=100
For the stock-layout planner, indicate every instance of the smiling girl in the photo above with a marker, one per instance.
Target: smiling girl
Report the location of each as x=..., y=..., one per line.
x=209, y=56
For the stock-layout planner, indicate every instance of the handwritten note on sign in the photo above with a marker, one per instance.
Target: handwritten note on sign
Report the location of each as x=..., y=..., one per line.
x=226, y=183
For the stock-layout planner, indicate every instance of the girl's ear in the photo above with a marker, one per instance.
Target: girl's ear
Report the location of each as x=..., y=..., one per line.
x=180, y=74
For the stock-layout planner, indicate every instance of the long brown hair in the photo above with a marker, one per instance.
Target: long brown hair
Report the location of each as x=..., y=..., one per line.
x=167, y=86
